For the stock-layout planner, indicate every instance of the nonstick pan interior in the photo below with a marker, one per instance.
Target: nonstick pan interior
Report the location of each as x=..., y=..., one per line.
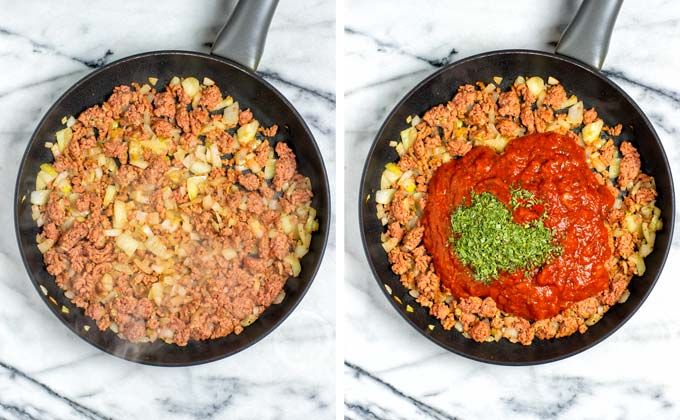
x=268, y=106
x=612, y=105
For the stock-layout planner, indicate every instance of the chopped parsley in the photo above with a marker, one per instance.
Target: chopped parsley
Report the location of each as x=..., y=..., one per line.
x=486, y=238
x=522, y=198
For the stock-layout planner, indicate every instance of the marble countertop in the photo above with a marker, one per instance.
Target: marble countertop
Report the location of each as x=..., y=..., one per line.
x=391, y=371
x=46, y=372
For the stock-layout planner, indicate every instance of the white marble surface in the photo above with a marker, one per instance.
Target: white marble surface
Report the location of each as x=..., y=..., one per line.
x=46, y=372
x=391, y=371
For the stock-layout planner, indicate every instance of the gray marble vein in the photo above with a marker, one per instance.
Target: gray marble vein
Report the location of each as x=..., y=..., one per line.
x=22, y=380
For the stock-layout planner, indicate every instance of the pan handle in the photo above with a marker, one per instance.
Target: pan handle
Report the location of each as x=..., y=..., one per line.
x=242, y=38
x=587, y=36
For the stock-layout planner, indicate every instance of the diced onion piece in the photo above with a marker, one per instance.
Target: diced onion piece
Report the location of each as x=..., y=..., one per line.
x=140, y=197
x=392, y=167
x=498, y=143
x=633, y=223
x=650, y=235
x=169, y=225
x=248, y=320
x=140, y=163
x=135, y=151
x=288, y=224
x=575, y=114
x=253, y=166
x=591, y=132
x=109, y=195
x=256, y=227
x=229, y=253
x=294, y=263
x=240, y=158
x=45, y=245
x=208, y=82
x=111, y=165
x=196, y=99
x=597, y=163
x=645, y=249
x=218, y=211
x=655, y=223
x=615, y=167
x=215, y=157
x=68, y=223
x=63, y=138
x=497, y=80
x=390, y=175
x=120, y=218
x=279, y=298
x=200, y=168
x=156, y=146
x=270, y=169
x=305, y=237
x=384, y=196
x=208, y=202
x=107, y=282
x=230, y=115
x=301, y=251
x=146, y=229
x=228, y=101
x=408, y=137
x=406, y=181
x=156, y=247
x=39, y=197
x=127, y=243
x=246, y=133
x=535, y=85
x=312, y=225
x=112, y=232
x=153, y=81
x=42, y=179
x=156, y=293
x=553, y=81
x=389, y=244
x=640, y=267
x=569, y=102
x=49, y=169
x=191, y=86
x=193, y=184
x=63, y=183
x=122, y=268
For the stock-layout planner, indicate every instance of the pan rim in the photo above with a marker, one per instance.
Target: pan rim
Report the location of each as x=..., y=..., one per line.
x=364, y=191
x=326, y=196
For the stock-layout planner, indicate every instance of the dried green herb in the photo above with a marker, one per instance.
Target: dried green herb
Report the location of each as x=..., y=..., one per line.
x=486, y=238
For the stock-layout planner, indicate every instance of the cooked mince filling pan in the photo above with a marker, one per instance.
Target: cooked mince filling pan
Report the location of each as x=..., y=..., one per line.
x=234, y=152
x=570, y=165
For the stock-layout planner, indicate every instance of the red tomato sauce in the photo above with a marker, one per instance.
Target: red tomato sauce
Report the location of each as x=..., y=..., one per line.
x=553, y=167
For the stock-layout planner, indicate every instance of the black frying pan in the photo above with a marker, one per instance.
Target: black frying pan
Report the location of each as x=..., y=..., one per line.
x=585, y=81
x=251, y=91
